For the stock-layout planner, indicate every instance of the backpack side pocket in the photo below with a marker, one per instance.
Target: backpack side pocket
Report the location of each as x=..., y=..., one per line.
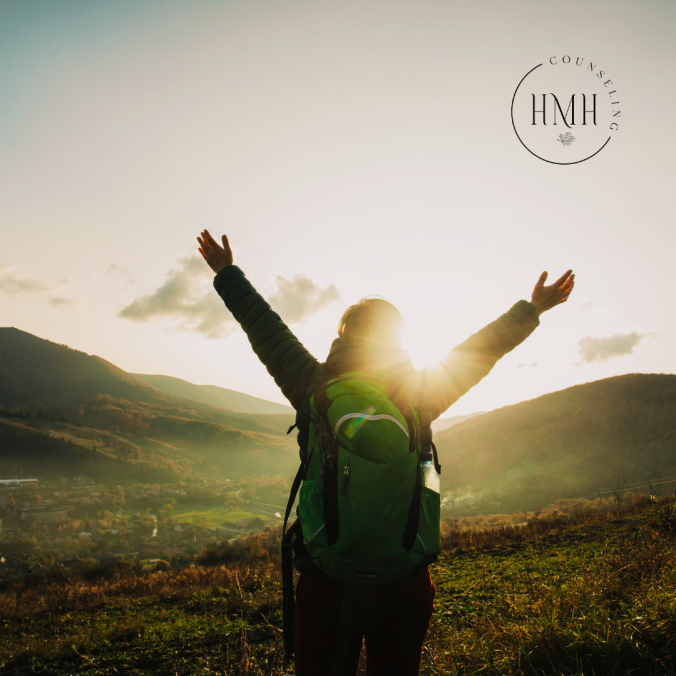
x=429, y=528
x=311, y=512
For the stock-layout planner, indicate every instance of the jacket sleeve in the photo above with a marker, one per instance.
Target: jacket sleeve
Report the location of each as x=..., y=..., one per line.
x=283, y=355
x=472, y=360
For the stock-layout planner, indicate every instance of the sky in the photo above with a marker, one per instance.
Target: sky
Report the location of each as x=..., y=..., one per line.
x=347, y=149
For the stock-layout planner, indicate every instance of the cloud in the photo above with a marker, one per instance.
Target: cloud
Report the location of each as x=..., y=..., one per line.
x=124, y=273
x=520, y=366
x=299, y=298
x=20, y=286
x=187, y=295
x=534, y=364
x=16, y=285
x=602, y=349
x=115, y=269
x=588, y=306
x=60, y=303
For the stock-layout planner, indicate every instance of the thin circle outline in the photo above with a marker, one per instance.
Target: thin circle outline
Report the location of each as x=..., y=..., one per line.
x=527, y=148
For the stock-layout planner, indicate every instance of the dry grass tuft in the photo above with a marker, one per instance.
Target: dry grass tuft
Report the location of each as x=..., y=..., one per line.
x=587, y=593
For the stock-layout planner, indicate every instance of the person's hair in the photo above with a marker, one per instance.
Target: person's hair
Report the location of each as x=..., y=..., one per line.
x=372, y=319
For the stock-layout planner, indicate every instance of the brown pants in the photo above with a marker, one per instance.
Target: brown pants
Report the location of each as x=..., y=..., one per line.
x=391, y=618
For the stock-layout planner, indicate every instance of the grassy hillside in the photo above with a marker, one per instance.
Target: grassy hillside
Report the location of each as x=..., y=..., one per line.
x=39, y=374
x=245, y=402
x=214, y=396
x=584, y=595
x=52, y=381
x=564, y=443
x=50, y=447
x=280, y=422
x=182, y=388
x=176, y=447
x=441, y=424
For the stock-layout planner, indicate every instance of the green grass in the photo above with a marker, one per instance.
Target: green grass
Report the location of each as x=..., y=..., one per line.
x=146, y=565
x=216, y=516
x=578, y=597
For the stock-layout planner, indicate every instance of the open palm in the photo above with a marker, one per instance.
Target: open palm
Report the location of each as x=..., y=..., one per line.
x=546, y=297
x=217, y=256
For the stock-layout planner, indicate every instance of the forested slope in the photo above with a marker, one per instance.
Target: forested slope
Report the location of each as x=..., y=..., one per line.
x=219, y=397
x=60, y=386
x=568, y=442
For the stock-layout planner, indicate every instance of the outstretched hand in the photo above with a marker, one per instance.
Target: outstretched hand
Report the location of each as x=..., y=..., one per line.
x=546, y=297
x=217, y=256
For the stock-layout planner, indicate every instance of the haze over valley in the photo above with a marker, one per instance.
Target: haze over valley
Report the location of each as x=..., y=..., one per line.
x=63, y=409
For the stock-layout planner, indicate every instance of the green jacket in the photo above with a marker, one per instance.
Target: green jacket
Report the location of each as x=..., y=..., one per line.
x=299, y=374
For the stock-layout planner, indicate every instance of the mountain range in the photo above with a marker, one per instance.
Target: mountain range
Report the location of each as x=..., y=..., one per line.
x=219, y=397
x=563, y=444
x=441, y=424
x=96, y=403
x=568, y=443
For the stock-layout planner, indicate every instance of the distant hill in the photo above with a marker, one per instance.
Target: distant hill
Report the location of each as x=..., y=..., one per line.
x=246, y=403
x=566, y=443
x=563, y=444
x=37, y=373
x=228, y=400
x=47, y=451
x=441, y=424
x=59, y=384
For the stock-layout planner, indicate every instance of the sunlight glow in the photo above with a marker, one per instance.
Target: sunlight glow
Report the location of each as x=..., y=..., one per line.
x=423, y=351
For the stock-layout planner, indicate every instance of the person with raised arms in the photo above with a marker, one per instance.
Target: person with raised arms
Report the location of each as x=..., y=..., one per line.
x=368, y=523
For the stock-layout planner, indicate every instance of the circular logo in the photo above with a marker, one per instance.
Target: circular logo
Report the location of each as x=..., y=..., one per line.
x=566, y=110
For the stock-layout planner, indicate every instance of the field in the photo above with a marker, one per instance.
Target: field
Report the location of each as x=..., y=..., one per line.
x=588, y=594
x=213, y=518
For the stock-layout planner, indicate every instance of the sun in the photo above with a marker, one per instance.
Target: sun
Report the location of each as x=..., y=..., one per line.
x=424, y=350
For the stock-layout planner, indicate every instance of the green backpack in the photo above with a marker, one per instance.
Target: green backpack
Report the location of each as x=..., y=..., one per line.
x=368, y=511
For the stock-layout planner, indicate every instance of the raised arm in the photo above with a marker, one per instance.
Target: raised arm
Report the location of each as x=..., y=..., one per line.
x=283, y=355
x=472, y=360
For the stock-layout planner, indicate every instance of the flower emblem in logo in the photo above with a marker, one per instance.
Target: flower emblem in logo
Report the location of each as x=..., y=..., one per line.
x=566, y=139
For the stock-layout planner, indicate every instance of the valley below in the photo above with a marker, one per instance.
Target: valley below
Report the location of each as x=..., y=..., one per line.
x=140, y=526
x=591, y=593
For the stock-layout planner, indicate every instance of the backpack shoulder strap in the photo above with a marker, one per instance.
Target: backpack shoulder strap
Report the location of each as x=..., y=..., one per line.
x=329, y=469
x=288, y=539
